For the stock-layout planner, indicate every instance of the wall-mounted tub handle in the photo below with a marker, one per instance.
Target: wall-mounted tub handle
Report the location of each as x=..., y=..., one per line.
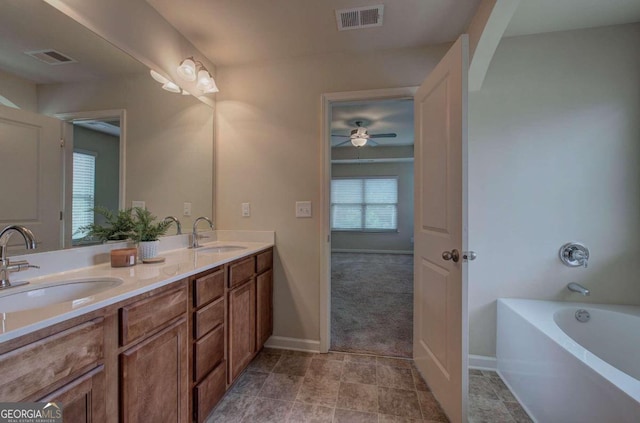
x=453, y=255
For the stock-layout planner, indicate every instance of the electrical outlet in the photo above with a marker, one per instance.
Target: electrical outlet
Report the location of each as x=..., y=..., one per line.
x=246, y=209
x=303, y=208
x=140, y=204
x=187, y=209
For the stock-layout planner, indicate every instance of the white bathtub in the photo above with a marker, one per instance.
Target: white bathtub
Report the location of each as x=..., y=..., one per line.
x=565, y=371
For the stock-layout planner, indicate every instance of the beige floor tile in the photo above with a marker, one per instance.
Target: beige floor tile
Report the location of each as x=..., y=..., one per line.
x=249, y=383
x=231, y=409
x=394, y=377
x=267, y=411
x=310, y=413
x=350, y=416
x=431, y=410
x=394, y=362
x=324, y=369
x=292, y=365
x=355, y=396
x=398, y=402
x=360, y=358
x=281, y=386
x=319, y=391
x=359, y=373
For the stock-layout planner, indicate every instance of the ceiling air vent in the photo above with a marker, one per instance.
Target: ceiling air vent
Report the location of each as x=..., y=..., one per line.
x=359, y=17
x=50, y=57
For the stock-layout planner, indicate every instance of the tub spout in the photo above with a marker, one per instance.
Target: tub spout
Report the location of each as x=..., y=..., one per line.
x=576, y=287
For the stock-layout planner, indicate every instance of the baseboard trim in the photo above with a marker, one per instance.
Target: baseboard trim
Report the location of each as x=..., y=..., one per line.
x=343, y=250
x=295, y=344
x=482, y=362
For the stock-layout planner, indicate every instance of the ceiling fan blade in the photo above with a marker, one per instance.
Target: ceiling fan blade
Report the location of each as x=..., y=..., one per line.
x=372, y=142
x=342, y=143
x=341, y=136
x=391, y=135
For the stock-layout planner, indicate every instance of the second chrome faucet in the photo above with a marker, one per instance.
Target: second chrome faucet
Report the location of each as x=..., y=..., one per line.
x=194, y=234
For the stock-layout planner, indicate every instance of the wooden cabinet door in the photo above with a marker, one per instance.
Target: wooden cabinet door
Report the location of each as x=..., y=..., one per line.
x=154, y=378
x=242, y=327
x=83, y=399
x=264, y=308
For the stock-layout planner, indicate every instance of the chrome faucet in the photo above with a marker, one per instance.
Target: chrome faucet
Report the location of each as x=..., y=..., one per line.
x=574, y=254
x=576, y=287
x=6, y=266
x=194, y=235
x=176, y=221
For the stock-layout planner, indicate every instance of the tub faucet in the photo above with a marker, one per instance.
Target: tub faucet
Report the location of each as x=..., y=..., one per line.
x=176, y=221
x=194, y=235
x=6, y=266
x=576, y=287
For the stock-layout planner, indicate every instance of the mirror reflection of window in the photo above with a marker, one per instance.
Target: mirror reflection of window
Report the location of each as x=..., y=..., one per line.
x=84, y=188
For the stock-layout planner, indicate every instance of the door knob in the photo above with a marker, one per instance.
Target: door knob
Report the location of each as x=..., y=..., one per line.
x=451, y=255
x=469, y=255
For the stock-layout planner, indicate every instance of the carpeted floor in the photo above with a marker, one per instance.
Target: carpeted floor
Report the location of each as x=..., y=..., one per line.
x=372, y=303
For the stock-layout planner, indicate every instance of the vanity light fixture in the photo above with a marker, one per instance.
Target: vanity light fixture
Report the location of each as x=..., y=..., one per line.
x=171, y=87
x=193, y=70
x=187, y=69
x=159, y=78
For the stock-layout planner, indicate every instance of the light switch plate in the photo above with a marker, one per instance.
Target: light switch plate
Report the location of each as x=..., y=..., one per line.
x=246, y=209
x=187, y=209
x=140, y=204
x=303, y=208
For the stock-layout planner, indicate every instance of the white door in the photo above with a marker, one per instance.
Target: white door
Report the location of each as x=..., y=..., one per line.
x=440, y=292
x=31, y=175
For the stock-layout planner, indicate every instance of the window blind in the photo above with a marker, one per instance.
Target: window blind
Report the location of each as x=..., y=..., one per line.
x=83, y=196
x=364, y=204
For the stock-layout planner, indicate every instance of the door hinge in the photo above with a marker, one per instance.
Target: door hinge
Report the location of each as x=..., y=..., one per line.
x=328, y=238
x=61, y=215
x=61, y=142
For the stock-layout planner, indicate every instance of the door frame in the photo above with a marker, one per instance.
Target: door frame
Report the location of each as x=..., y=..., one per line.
x=327, y=100
x=68, y=119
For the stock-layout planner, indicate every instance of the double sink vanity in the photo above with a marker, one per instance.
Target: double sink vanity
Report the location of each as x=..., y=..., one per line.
x=153, y=342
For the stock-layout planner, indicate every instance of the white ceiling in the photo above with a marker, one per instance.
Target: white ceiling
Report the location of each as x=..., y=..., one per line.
x=538, y=16
x=385, y=116
x=234, y=32
x=28, y=25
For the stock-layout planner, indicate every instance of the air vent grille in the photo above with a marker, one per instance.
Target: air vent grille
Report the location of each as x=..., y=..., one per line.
x=51, y=57
x=359, y=17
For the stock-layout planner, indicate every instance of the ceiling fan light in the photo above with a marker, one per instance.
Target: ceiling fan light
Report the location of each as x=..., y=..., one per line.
x=187, y=69
x=159, y=78
x=361, y=131
x=171, y=87
x=358, y=141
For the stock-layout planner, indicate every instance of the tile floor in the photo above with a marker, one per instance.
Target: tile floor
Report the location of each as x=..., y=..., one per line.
x=287, y=386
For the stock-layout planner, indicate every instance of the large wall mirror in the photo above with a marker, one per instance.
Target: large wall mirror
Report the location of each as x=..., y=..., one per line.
x=82, y=124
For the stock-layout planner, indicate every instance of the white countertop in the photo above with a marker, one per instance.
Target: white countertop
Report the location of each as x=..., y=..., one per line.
x=180, y=263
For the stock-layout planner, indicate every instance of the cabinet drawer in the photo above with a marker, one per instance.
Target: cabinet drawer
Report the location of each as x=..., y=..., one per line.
x=241, y=271
x=144, y=317
x=264, y=261
x=208, y=317
x=208, y=352
x=208, y=392
x=208, y=288
x=42, y=364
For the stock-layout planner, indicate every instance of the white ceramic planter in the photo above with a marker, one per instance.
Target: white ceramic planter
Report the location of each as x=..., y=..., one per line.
x=148, y=249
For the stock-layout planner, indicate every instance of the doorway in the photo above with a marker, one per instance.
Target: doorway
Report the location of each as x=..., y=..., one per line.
x=369, y=223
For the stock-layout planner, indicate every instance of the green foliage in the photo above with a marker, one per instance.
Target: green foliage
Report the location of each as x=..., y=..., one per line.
x=118, y=226
x=144, y=228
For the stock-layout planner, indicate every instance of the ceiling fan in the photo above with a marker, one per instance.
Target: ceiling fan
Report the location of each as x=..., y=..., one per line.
x=360, y=136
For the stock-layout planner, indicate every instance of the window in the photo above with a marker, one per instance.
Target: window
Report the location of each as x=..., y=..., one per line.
x=364, y=204
x=84, y=184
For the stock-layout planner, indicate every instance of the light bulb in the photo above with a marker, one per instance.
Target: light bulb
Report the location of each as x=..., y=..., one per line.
x=204, y=80
x=171, y=87
x=155, y=75
x=213, y=88
x=358, y=142
x=187, y=70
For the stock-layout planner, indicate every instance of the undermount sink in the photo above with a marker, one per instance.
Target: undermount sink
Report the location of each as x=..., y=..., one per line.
x=36, y=296
x=217, y=249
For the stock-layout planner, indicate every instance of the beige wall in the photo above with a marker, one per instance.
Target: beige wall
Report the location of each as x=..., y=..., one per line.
x=19, y=91
x=169, y=146
x=382, y=241
x=554, y=156
x=268, y=150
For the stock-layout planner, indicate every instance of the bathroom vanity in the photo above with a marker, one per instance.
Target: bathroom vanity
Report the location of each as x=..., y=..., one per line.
x=155, y=348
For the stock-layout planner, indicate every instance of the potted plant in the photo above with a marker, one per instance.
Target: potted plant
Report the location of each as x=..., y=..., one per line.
x=146, y=232
x=118, y=226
